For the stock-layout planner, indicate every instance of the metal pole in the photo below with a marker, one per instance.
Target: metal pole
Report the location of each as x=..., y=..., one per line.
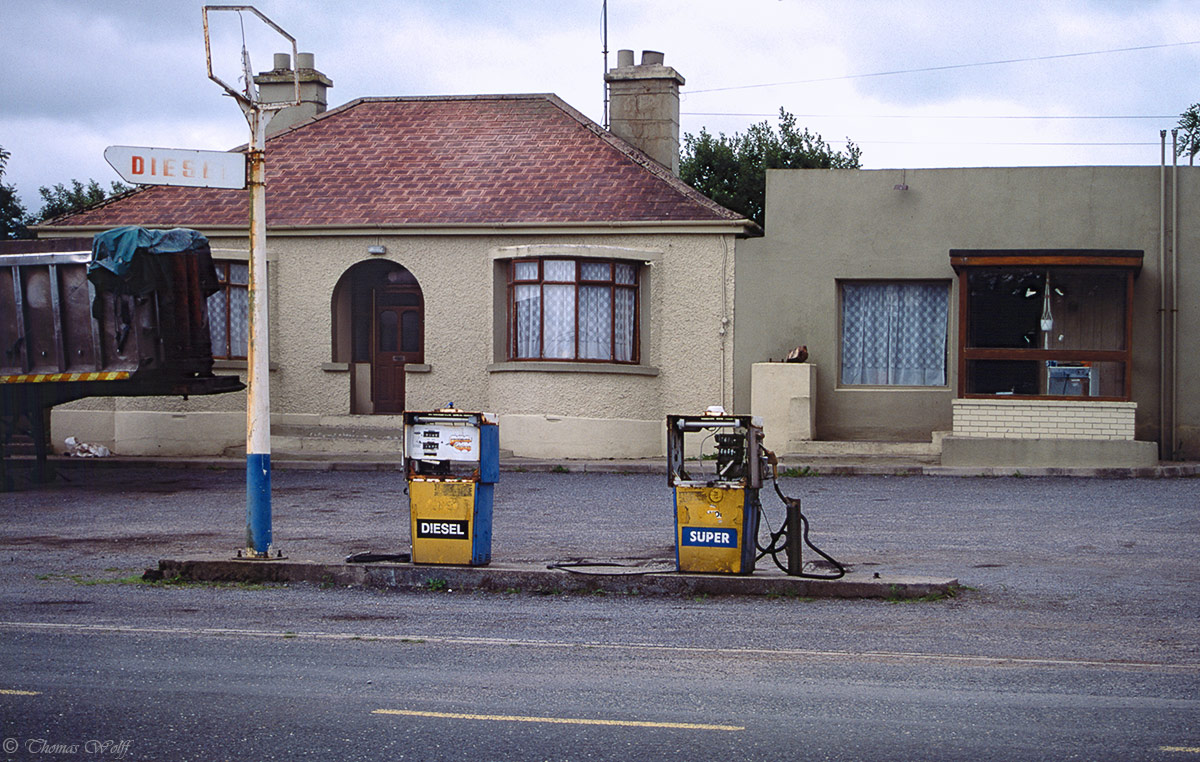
x=258, y=401
x=258, y=395
x=795, y=538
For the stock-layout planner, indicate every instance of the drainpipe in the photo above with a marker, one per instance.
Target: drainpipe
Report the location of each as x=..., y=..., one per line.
x=1174, y=293
x=1164, y=447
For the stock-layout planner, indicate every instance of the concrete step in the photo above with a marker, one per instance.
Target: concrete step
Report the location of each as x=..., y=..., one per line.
x=381, y=437
x=377, y=436
x=823, y=449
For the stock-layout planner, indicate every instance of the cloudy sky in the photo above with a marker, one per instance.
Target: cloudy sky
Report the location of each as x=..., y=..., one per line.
x=916, y=83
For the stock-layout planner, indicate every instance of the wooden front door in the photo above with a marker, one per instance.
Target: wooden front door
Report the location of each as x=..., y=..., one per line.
x=398, y=341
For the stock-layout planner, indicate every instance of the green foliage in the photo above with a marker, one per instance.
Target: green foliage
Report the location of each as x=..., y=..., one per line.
x=60, y=200
x=798, y=472
x=733, y=170
x=12, y=212
x=1189, y=133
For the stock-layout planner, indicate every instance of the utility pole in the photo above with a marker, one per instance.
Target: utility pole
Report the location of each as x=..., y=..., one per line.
x=258, y=397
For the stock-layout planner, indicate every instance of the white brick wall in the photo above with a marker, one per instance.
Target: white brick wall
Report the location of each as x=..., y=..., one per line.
x=1044, y=419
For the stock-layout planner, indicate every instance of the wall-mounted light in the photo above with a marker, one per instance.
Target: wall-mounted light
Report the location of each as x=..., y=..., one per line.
x=377, y=250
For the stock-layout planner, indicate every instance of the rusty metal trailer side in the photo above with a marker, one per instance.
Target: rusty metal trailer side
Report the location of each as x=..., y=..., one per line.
x=62, y=339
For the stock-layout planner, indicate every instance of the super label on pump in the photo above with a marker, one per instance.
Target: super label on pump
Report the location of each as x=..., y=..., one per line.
x=704, y=537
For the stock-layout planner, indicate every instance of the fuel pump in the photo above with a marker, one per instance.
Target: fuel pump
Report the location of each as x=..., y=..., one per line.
x=718, y=511
x=452, y=463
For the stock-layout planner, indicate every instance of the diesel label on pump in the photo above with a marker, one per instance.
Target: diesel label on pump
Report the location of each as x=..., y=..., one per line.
x=442, y=530
x=709, y=538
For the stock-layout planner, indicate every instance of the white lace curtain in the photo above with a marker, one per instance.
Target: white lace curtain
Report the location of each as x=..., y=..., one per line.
x=894, y=333
x=546, y=312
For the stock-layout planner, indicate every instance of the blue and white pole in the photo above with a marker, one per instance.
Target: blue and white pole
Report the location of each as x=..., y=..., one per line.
x=258, y=397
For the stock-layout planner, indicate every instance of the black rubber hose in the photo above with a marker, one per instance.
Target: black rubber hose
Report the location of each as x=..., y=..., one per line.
x=775, y=548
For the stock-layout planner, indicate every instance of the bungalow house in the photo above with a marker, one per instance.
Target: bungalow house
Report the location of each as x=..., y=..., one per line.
x=498, y=252
x=1034, y=316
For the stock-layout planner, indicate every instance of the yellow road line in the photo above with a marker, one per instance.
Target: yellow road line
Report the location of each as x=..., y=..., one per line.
x=10, y=692
x=558, y=720
x=1185, y=749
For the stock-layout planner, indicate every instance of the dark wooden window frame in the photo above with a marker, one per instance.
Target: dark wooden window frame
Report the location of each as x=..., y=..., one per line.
x=228, y=286
x=635, y=287
x=1126, y=261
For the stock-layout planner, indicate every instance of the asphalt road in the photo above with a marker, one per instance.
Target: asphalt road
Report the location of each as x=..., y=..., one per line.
x=1077, y=639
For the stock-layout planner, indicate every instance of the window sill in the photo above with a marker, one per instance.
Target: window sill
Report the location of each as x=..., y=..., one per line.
x=535, y=366
x=344, y=367
x=238, y=365
x=889, y=388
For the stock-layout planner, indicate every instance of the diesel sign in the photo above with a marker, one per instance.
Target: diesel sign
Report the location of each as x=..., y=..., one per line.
x=442, y=530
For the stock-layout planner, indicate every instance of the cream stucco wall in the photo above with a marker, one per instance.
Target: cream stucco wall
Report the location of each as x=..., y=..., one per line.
x=686, y=354
x=823, y=226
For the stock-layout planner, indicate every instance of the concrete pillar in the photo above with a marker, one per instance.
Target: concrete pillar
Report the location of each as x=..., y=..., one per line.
x=782, y=394
x=277, y=85
x=644, y=105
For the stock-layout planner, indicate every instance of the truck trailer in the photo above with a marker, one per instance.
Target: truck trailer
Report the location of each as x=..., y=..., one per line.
x=122, y=314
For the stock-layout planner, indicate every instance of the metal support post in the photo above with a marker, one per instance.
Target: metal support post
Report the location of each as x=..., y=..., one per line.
x=258, y=401
x=795, y=538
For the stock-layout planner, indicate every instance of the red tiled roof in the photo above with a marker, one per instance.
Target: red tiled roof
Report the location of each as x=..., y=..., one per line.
x=434, y=161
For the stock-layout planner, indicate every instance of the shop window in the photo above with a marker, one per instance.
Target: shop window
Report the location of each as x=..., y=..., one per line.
x=894, y=333
x=1046, y=324
x=573, y=309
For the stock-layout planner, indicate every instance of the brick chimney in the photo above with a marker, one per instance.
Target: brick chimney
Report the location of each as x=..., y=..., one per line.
x=277, y=85
x=644, y=105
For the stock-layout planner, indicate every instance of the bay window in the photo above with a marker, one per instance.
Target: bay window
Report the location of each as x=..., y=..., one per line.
x=573, y=309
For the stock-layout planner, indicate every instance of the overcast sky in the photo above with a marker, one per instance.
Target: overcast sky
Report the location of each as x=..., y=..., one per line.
x=80, y=75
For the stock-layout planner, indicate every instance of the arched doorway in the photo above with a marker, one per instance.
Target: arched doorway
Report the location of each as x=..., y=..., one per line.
x=378, y=329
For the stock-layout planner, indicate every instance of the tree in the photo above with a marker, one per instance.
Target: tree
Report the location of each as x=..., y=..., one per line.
x=1189, y=133
x=61, y=200
x=733, y=170
x=12, y=212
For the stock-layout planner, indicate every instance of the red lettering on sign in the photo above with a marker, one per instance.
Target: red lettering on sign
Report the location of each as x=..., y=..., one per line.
x=168, y=167
x=139, y=166
x=189, y=168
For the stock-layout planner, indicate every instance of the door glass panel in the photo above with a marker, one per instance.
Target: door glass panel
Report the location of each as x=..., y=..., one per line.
x=389, y=334
x=410, y=331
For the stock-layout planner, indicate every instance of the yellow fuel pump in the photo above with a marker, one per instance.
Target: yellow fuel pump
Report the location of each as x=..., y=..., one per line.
x=717, y=505
x=717, y=510
x=452, y=463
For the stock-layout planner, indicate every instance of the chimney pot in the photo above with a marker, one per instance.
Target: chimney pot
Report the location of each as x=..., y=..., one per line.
x=279, y=86
x=652, y=58
x=624, y=58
